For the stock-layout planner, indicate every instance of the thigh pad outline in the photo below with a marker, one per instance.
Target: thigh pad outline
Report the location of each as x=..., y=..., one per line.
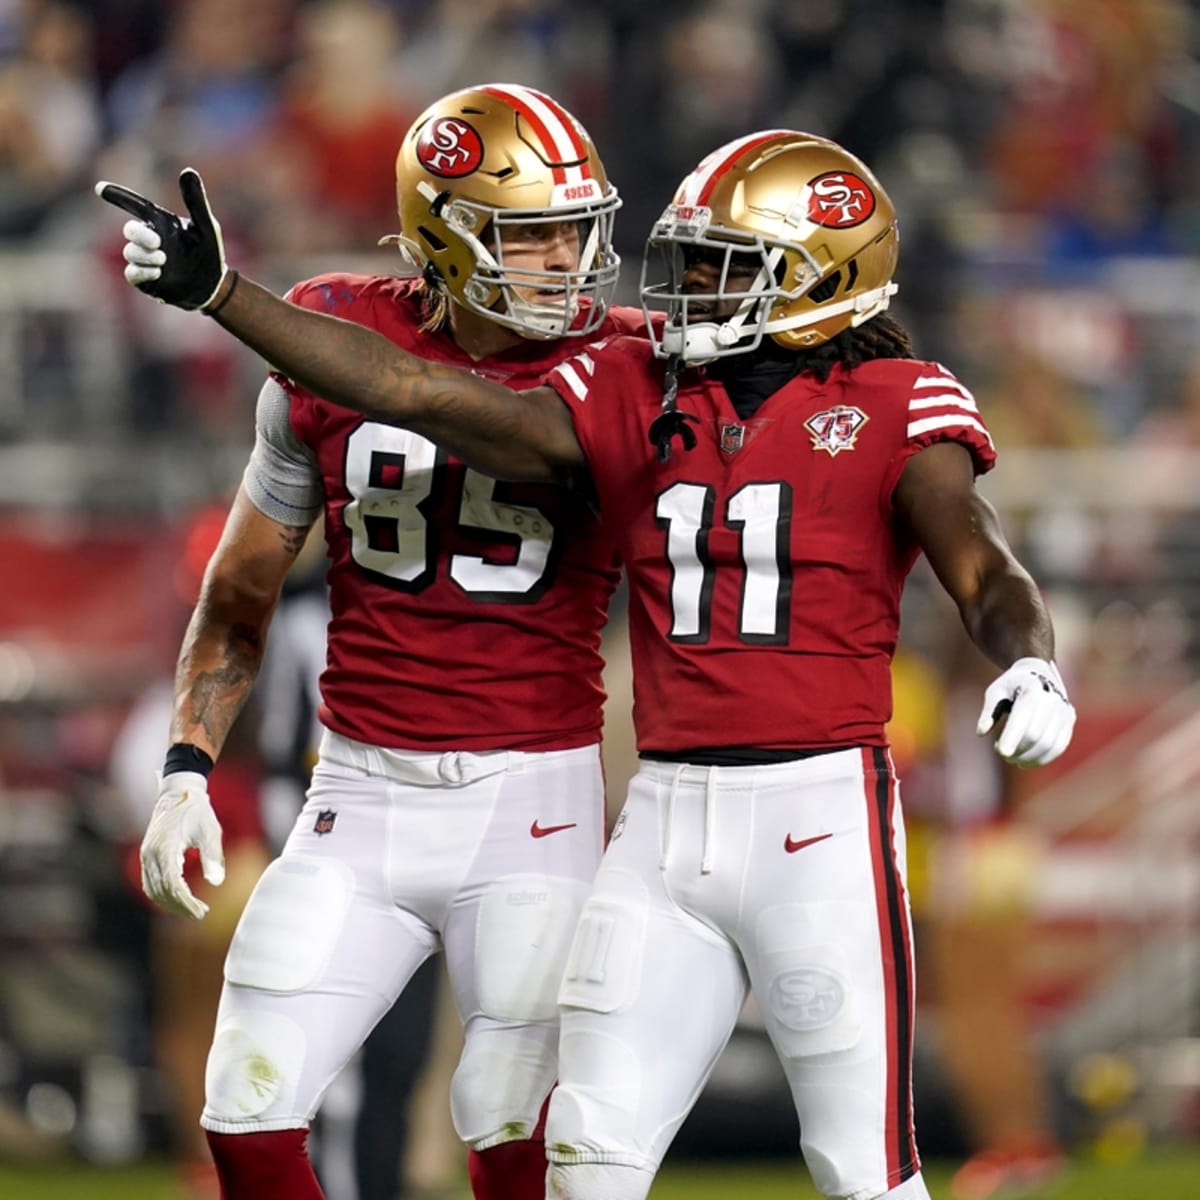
x=804, y=981
x=291, y=925
x=604, y=968
x=522, y=936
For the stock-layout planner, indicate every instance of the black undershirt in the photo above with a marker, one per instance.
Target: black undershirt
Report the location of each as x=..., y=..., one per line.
x=750, y=379
x=735, y=756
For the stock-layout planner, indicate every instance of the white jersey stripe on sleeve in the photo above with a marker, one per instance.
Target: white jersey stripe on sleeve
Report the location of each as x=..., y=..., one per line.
x=946, y=421
x=567, y=373
x=944, y=401
x=940, y=381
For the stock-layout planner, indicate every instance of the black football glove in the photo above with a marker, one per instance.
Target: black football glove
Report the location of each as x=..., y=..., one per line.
x=174, y=259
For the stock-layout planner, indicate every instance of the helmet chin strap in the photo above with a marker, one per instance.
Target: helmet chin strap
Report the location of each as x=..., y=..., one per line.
x=702, y=342
x=707, y=340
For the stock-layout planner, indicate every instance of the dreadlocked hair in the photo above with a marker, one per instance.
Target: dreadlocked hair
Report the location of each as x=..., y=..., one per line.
x=435, y=303
x=881, y=337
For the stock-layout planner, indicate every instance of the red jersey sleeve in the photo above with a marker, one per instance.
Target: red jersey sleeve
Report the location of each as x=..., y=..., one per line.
x=942, y=409
x=937, y=408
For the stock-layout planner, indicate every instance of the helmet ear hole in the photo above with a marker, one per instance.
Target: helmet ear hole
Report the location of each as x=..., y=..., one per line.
x=432, y=240
x=826, y=288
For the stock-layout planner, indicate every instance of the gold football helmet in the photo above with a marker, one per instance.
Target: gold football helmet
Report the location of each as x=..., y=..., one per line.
x=496, y=156
x=813, y=217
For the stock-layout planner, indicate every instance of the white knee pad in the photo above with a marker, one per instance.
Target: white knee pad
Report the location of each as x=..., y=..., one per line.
x=253, y=1068
x=597, y=1181
x=501, y=1082
x=594, y=1110
x=522, y=937
x=804, y=983
x=291, y=924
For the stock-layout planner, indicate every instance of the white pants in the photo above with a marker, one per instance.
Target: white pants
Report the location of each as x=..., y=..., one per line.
x=488, y=856
x=787, y=879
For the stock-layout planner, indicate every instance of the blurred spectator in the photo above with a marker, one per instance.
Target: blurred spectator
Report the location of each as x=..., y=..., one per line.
x=49, y=116
x=721, y=76
x=127, y=30
x=210, y=84
x=1118, y=217
x=1030, y=403
x=1082, y=76
x=206, y=98
x=458, y=42
x=329, y=156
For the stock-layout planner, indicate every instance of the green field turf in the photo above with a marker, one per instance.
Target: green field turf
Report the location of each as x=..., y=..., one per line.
x=1164, y=1175
x=1161, y=1175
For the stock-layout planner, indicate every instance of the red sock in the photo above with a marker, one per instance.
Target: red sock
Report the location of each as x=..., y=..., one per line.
x=264, y=1166
x=513, y=1170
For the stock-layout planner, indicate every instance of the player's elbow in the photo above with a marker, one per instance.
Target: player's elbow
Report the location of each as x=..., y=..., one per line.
x=231, y=591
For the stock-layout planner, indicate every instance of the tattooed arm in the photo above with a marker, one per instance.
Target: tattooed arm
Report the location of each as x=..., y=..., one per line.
x=505, y=434
x=509, y=435
x=223, y=648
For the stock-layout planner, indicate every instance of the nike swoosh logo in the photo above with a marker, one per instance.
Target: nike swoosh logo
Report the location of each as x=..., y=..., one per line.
x=536, y=830
x=791, y=847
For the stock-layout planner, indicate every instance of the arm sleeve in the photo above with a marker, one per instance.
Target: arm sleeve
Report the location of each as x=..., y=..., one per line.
x=282, y=478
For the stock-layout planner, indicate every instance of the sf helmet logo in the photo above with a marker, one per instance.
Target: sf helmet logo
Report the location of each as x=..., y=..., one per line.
x=449, y=147
x=839, y=200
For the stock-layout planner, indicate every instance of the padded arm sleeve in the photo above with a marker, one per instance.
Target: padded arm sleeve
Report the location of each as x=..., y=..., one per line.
x=282, y=478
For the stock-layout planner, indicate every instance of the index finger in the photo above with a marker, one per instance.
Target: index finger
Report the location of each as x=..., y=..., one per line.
x=127, y=200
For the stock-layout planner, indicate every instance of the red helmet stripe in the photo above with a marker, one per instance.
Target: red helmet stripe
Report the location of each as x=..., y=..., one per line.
x=700, y=184
x=551, y=125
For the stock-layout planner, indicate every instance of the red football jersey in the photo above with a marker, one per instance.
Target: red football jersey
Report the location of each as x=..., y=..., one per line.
x=765, y=567
x=466, y=613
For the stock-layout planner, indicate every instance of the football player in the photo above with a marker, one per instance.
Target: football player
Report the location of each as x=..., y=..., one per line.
x=770, y=465
x=458, y=802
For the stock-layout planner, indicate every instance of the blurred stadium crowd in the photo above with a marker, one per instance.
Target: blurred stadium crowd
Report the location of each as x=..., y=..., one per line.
x=1045, y=158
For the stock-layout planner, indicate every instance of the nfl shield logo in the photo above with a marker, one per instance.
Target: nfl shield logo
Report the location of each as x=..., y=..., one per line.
x=731, y=438
x=324, y=822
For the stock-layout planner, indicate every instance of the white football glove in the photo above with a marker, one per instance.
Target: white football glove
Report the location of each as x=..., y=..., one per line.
x=1038, y=717
x=183, y=817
